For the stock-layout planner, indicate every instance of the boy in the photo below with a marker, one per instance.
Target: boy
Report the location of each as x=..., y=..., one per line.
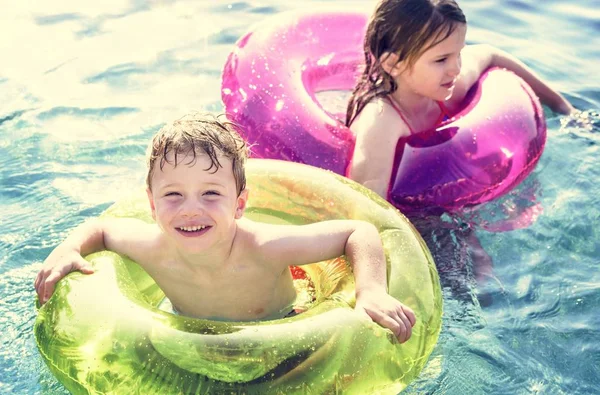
x=209, y=260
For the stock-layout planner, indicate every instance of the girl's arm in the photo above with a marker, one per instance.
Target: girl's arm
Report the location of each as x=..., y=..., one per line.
x=477, y=58
x=377, y=129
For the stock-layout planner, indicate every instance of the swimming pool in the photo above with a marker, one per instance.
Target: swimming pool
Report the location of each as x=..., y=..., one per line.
x=82, y=89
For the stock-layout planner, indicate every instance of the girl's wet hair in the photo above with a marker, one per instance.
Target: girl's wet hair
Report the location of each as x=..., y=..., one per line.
x=406, y=28
x=195, y=134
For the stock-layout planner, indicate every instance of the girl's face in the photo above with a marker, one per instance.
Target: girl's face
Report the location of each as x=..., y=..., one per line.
x=434, y=73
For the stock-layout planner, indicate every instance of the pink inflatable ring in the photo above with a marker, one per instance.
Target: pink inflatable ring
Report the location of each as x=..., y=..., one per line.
x=269, y=85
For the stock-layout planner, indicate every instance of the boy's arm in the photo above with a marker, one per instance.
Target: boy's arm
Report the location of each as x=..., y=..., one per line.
x=125, y=236
x=477, y=58
x=365, y=251
x=361, y=243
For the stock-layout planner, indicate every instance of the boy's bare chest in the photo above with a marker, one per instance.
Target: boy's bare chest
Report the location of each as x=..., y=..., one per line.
x=245, y=290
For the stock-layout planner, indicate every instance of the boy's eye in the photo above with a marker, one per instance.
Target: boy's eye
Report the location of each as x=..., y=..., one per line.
x=214, y=193
x=442, y=60
x=172, y=194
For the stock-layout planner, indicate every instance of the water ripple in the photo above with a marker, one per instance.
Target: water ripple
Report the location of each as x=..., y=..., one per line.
x=58, y=18
x=105, y=112
x=19, y=358
x=11, y=116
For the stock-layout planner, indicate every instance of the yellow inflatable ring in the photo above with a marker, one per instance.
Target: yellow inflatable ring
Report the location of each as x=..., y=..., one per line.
x=103, y=333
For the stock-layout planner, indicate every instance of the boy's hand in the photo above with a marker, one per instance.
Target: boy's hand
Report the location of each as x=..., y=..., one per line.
x=387, y=312
x=59, y=263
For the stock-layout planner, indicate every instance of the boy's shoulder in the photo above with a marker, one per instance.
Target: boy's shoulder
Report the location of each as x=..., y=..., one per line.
x=253, y=241
x=253, y=232
x=131, y=224
x=133, y=236
x=259, y=237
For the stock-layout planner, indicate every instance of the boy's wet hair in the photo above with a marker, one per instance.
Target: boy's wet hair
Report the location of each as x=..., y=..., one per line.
x=199, y=133
x=406, y=28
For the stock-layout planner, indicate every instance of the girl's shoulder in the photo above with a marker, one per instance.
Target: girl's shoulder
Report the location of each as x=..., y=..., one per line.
x=379, y=116
x=476, y=58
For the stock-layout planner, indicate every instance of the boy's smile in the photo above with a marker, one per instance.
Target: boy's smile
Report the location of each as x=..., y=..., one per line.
x=193, y=231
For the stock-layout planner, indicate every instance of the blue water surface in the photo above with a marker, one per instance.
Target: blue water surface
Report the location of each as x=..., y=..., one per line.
x=84, y=87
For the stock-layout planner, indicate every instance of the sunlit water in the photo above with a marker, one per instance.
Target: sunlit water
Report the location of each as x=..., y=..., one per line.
x=82, y=89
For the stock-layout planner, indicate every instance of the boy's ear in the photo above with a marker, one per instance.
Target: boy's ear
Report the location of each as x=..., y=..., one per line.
x=241, y=203
x=389, y=62
x=151, y=201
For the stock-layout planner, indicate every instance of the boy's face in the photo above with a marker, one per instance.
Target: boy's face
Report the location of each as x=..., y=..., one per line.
x=194, y=207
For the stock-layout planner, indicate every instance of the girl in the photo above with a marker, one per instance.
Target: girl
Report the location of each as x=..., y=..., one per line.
x=414, y=79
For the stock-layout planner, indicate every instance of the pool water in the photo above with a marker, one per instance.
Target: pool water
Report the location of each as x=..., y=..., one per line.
x=83, y=88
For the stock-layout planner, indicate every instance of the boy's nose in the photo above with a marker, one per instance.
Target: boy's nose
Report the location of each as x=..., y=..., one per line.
x=192, y=209
x=190, y=214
